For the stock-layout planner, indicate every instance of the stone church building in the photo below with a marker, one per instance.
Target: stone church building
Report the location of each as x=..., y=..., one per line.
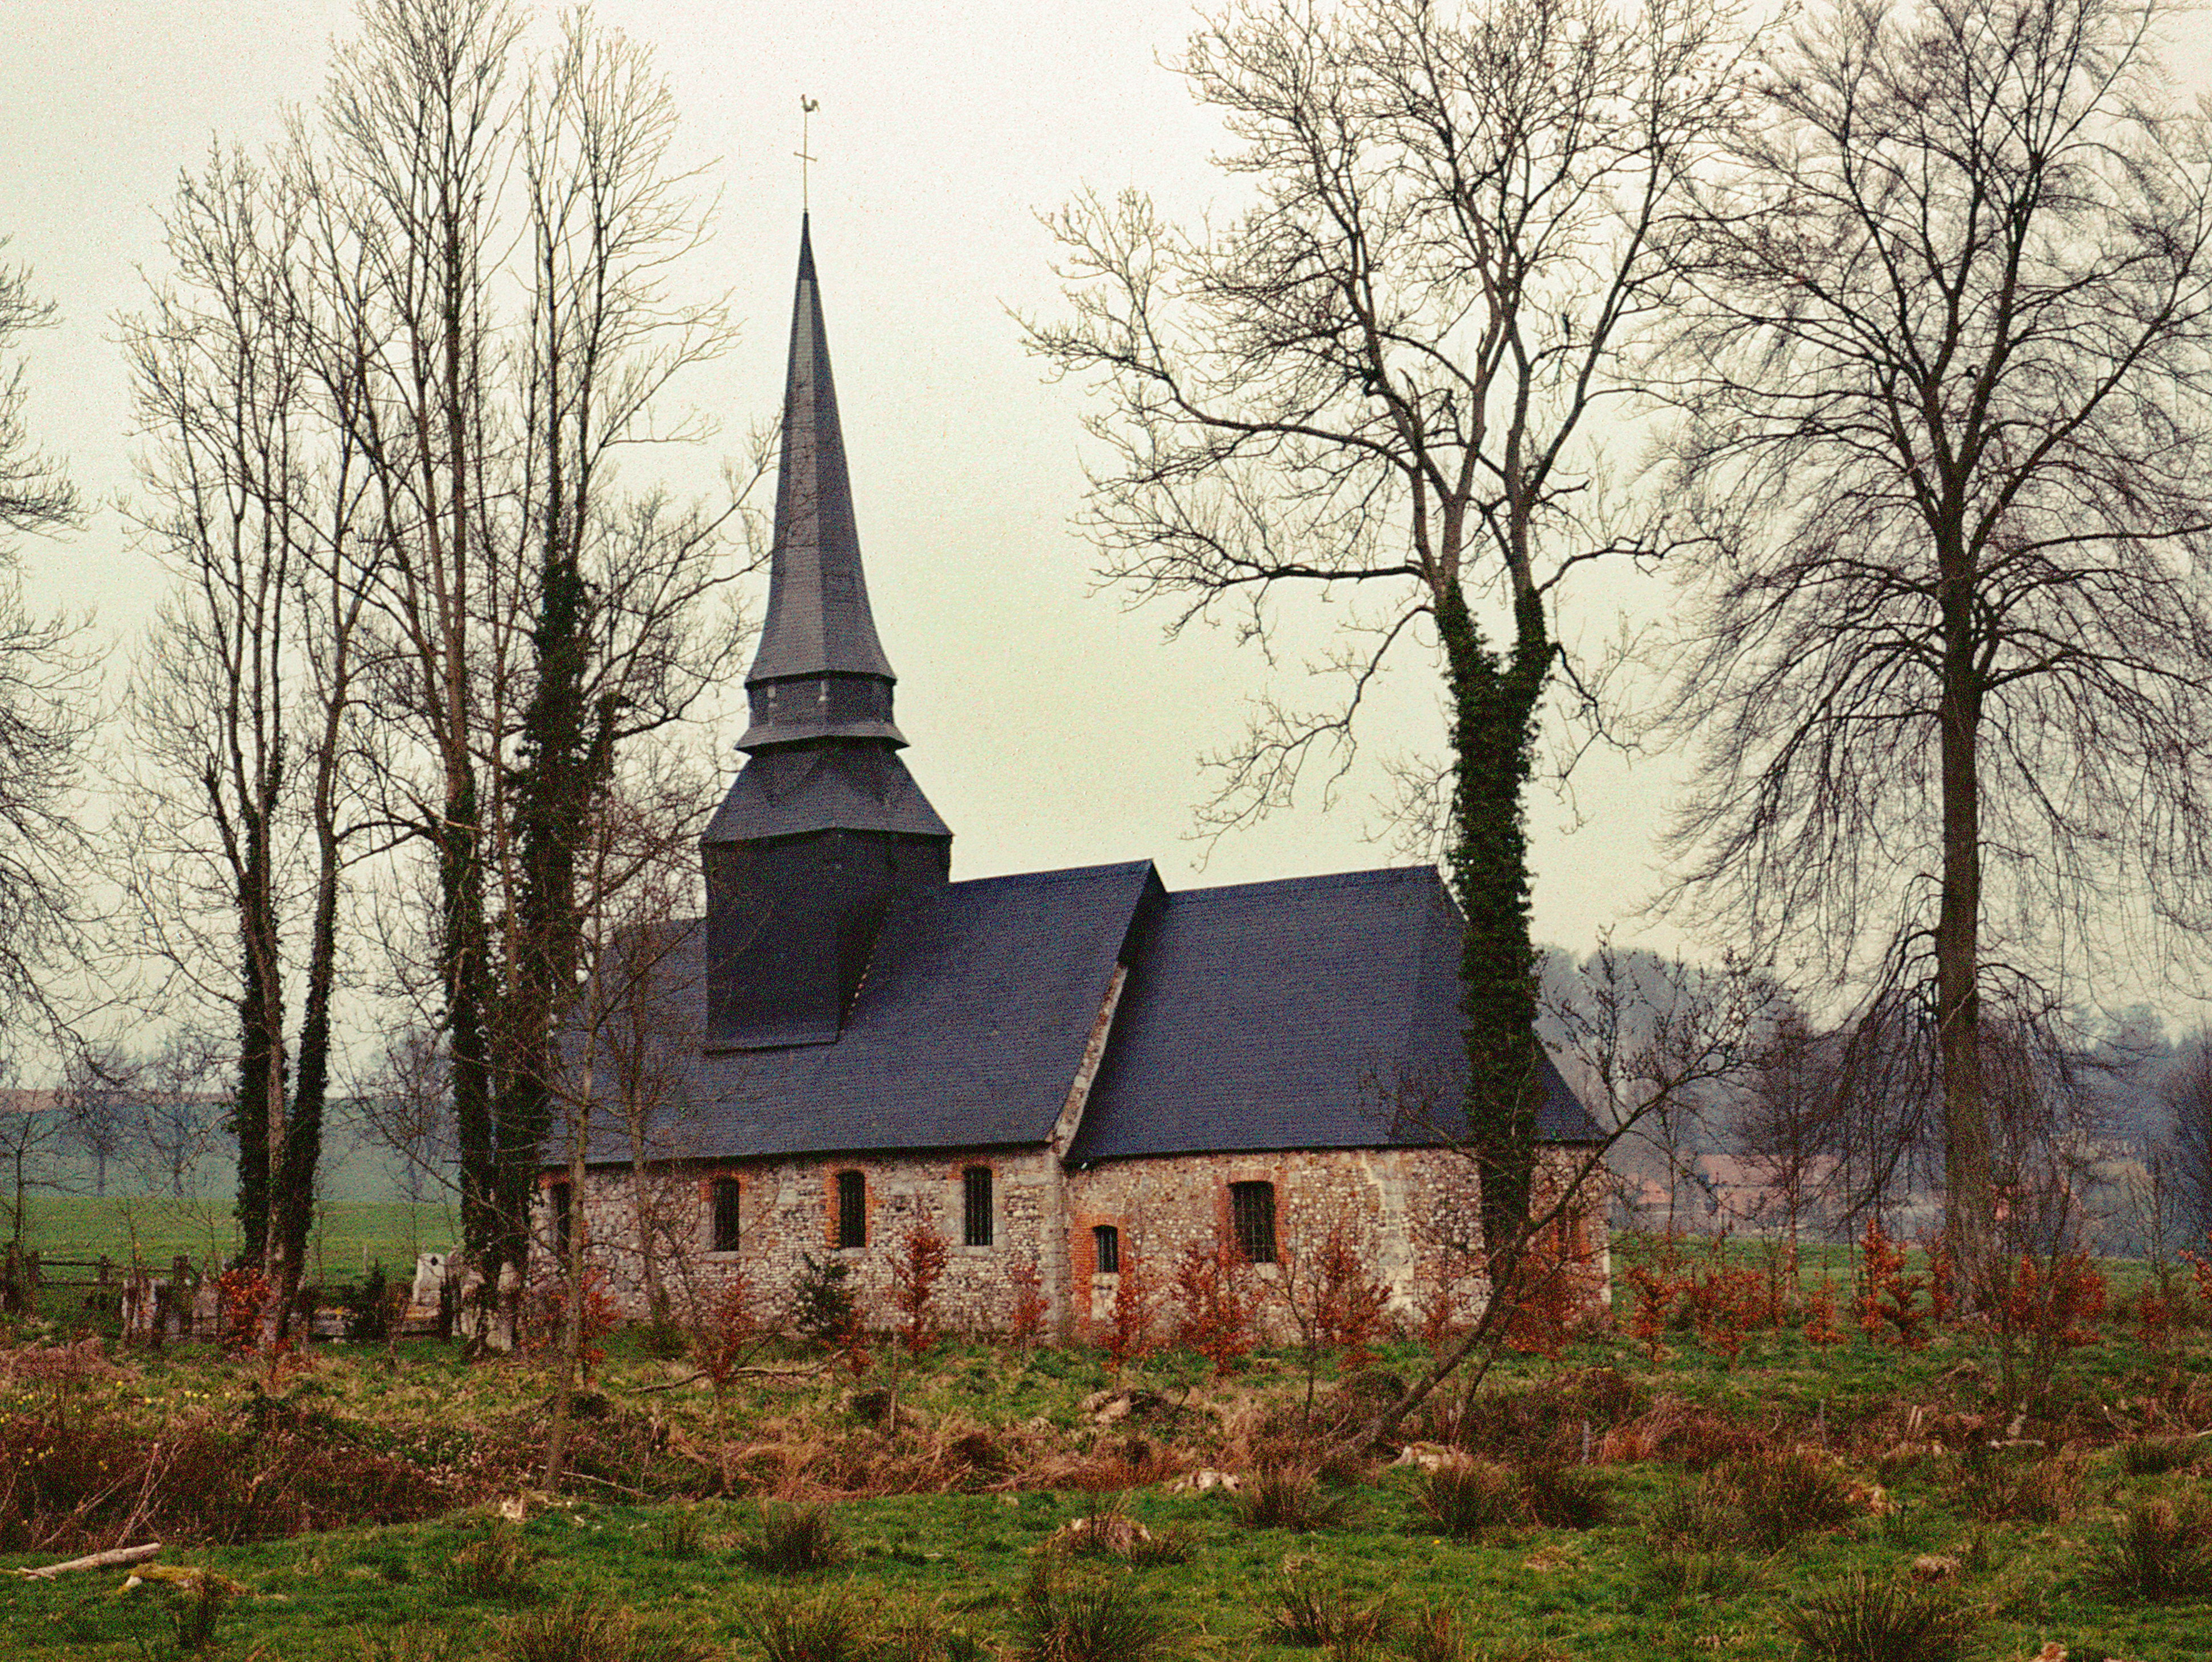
x=1065, y=1073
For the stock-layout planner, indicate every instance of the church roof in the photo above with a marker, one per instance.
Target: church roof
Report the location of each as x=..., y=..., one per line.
x=1309, y=1012
x=966, y=1032
x=1313, y=1012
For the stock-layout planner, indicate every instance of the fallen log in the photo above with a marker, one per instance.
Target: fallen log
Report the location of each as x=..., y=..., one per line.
x=96, y=1561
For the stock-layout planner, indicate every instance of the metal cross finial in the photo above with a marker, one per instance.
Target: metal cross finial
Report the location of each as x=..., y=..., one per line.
x=806, y=107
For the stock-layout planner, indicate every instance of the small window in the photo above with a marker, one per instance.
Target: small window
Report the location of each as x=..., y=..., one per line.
x=976, y=1205
x=558, y=1203
x=1252, y=1213
x=1106, y=1249
x=852, y=1209
x=726, y=1216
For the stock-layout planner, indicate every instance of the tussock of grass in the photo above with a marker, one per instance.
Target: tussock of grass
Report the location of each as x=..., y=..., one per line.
x=1674, y=1573
x=1286, y=1497
x=1565, y=1497
x=590, y=1628
x=1063, y=1619
x=1998, y=1488
x=1875, y=1621
x=795, y=1540
x=1466, y=1498
x=2152, y=1457
x=1312, y=1609
x=2162, y=1551
x=1786, y=1493
x=498, y=1564
x=827, y=1629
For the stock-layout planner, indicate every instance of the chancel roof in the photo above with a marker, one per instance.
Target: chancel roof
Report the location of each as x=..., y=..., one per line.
x=1312, y=1013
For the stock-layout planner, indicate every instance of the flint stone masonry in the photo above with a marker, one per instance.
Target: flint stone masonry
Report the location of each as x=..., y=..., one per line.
x=1412, y=1210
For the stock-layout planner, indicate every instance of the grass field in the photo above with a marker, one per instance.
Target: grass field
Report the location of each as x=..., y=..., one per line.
x=349, y=1235
x=1731, y=1492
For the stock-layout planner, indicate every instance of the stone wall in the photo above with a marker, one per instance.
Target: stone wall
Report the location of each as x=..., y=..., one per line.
x=789, y=1212
x=1414, y=1213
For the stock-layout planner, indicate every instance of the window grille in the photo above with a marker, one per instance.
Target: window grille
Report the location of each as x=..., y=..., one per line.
x=976, y=1205
x=1252, y=1213
x=852, y=1209
x=557, y=1200
x=726, y=1215
x=1106, y=1249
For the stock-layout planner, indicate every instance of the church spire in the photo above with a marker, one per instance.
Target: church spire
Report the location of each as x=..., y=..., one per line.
x=820, y=672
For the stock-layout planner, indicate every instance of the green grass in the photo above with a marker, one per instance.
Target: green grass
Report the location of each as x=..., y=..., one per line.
x=347, y=1232
x=1616, y=1592
x=1593, y=1595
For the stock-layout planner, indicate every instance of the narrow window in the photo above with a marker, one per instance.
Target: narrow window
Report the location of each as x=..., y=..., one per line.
x=726, y=1215
x=1106, y=1249
x=976, y=1205
x=558, y=1202
x=852, y=1209
x=1252, y=1212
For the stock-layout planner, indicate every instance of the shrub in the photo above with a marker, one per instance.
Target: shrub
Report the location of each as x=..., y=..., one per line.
x=1466, y=1497
x=1087, y=1621
x=824, y=1308
x=1788, y=1494
x=1286, y=1497
x=1212, y=1288
x=2149, y=1456
x=498, y=1564
x=794, y=1540
x=814, y=1630
x=1565, y=1497
x=1311, y=1611
x=2163, y=1551
x=916, y=1269
x=584, y=1628
x=1870, y=1621
x=367, y=1305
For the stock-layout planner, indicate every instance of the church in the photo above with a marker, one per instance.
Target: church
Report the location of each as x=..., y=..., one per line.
x=1070, y=1076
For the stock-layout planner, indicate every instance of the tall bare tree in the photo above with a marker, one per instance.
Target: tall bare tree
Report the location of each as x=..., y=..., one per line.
x=1380, y=381
x=44, y=711
x=1946, y=378
x=249, y=812
x=494, y=243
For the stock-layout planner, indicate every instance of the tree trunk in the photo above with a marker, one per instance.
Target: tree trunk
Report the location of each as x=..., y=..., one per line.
x=1970, y=1202
x=1493, y=709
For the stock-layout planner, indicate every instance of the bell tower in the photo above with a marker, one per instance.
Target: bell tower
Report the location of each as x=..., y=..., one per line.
x=824, y=826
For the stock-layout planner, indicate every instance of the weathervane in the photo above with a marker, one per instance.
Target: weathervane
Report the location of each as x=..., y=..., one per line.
x=806, y=107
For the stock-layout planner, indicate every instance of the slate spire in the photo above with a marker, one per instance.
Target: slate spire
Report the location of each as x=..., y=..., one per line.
x=820, y=672
x=824, y=830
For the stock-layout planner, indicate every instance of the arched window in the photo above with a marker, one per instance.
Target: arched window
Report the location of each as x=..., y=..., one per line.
x=852, y=1209
x=723, y=1221
x=1106, y=1249
x=1252, y=1215
x=975, y=1206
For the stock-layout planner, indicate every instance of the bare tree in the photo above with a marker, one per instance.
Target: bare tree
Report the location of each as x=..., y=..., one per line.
x=44, y=709
x=1380, y=382
x=465, y=262
x=249, y=812
x=1945, y=379
x=2186, y=1091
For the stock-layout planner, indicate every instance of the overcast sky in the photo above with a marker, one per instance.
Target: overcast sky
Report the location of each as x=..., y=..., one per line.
x=1050, y=726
